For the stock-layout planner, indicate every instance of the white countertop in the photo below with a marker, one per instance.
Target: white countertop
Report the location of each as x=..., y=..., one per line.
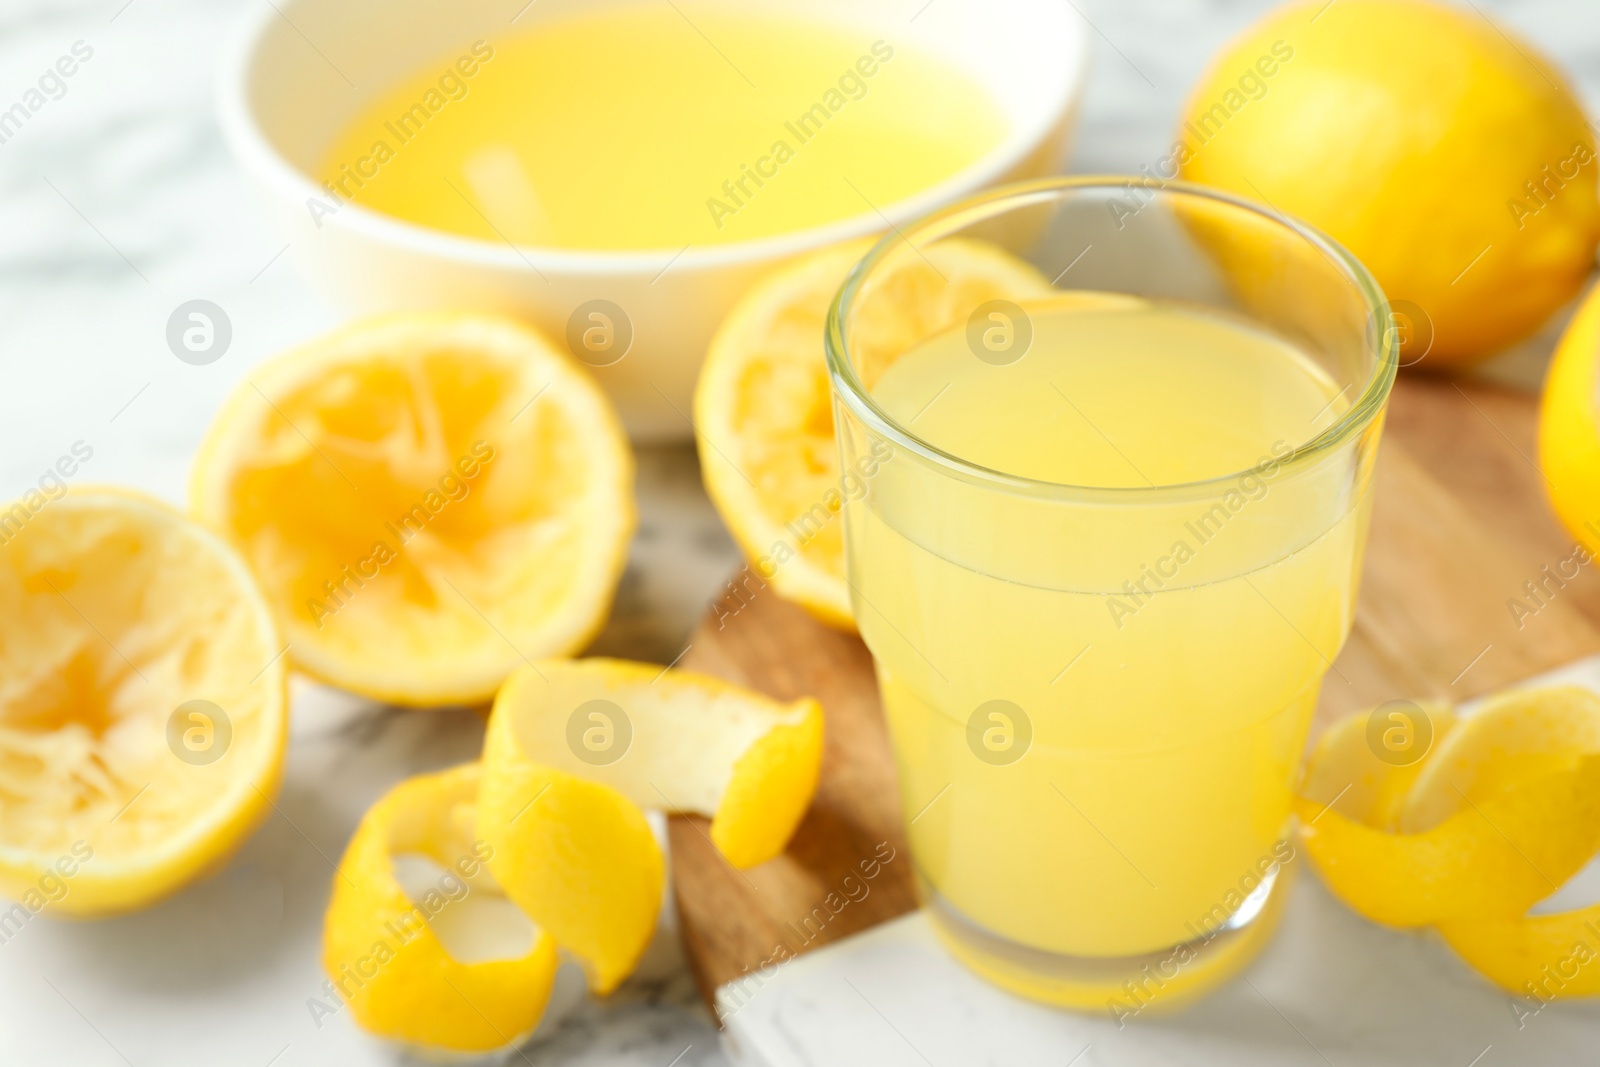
x=120, y=203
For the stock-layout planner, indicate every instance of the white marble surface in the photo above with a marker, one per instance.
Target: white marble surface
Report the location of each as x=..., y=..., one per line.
x=1329, y=989
x=117, y=203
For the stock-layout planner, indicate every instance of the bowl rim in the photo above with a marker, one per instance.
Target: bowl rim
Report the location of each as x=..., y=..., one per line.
x=262, y=160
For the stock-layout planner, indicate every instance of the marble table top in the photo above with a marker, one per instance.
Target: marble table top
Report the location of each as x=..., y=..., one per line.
x=119, y=204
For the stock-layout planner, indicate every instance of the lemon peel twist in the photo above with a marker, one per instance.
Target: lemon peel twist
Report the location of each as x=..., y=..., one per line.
x=381, y=950
x=576, y=750
x=1502, y=810
x=554, y=818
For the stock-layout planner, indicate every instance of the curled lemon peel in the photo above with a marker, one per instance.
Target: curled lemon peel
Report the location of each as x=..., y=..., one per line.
x=1502, y=810
x=1507, y=738
x=1344, y=771
x=770, y=789
x=381, y=950
x=553, y=818
x=577, y=750
x=575, y=855
x=1535, y=955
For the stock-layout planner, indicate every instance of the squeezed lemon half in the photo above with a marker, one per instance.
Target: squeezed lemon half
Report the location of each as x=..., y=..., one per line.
x=764, y=409
x=429, y=500
x=142, y=704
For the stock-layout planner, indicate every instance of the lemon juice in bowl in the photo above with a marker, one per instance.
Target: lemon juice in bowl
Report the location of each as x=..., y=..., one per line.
x=1105, y=568
x=635, y=127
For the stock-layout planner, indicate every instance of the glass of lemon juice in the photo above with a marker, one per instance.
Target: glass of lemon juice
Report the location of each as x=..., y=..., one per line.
x=1108, y=548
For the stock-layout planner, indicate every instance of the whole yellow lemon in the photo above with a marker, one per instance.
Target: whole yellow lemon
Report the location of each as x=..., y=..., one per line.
x=1448, y=155
x=1569, y=427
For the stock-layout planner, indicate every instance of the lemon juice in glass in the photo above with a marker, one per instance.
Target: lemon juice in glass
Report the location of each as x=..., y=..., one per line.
x=1102, y=575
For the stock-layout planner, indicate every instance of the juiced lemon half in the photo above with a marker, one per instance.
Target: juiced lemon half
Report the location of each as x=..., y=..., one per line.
x=429, y=500
x=764, y=411
x=142, y=703
x=577, y=748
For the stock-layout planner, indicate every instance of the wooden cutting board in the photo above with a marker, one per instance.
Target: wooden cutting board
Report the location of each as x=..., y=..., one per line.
x=1460, y=522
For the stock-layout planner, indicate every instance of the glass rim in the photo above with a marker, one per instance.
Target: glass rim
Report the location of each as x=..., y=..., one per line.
x=849, y=389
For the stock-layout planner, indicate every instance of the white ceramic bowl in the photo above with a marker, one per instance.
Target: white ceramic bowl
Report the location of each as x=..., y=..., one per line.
x=289, y=85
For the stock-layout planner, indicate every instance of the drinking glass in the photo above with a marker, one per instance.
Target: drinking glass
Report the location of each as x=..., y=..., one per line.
x=1097, y=733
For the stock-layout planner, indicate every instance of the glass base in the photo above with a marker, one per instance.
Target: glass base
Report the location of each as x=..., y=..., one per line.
x=1125, y=986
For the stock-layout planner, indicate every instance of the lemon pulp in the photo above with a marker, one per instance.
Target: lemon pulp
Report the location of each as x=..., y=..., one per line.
x=763, y=397
x=142, y=717
x=429, y=499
